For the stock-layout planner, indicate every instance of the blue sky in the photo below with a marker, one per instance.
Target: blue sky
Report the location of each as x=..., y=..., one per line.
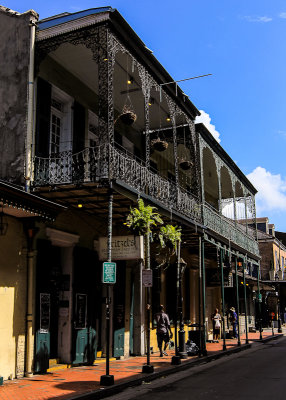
x=242, y=43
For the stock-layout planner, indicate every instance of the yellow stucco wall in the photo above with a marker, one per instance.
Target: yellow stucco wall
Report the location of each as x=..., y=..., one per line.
x=12, y=300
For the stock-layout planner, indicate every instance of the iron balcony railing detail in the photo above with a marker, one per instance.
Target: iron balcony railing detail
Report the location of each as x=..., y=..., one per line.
x=102, y=162
x=229, y=229
x=108, y=162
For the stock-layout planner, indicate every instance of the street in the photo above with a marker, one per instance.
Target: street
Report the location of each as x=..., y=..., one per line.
x=256, y=373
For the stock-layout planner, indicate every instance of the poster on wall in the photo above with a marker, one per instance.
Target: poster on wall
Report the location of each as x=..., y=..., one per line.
x=45, y=308
x=80, y=311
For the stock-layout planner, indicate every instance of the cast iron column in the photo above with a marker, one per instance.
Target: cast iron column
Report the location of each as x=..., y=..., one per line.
x=259, y=303
x=244, y=288
x=108, y=380
x=148, y=368
x=199, y=295
x=222, y=298
x=204, y=297
x=237, y=303
x=182, y=341
x=176, y=359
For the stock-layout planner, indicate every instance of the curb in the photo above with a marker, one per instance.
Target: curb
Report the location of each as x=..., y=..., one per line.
x=109, y=391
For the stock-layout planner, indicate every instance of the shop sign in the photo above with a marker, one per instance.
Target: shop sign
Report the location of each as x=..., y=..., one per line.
x=122, y=248
x=109, y=272
x=147, y=278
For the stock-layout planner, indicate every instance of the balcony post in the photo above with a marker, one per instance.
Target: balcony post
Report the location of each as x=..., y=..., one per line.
x=222, y=297
x=259, y=302
x=204, y=348
x=245, y=304
x=237, y=302
x=245, y=211
x=106, y=61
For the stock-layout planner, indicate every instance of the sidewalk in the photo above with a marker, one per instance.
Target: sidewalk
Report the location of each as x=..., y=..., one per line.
x=83, y=382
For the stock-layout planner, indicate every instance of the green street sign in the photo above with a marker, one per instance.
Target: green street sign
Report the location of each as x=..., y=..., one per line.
x=109, y=272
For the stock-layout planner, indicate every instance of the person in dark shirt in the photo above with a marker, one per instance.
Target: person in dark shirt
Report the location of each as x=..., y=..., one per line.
x=233, y=320
x=163, y=331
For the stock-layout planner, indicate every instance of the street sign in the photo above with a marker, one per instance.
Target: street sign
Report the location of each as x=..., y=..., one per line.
x=259, y=297
x=109, y=272
x=147, y=278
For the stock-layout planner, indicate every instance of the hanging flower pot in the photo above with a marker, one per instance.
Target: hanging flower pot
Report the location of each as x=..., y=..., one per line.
x=159, y=144
x=128, y=116
x=185, y=164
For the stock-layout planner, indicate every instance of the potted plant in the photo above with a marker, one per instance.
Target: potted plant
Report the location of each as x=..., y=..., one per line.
x=159, y=144
x=128, y=116
x=169, y=237
x=185, y=164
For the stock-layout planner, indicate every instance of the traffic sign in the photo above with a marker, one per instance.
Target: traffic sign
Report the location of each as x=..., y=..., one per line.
x=109, y=272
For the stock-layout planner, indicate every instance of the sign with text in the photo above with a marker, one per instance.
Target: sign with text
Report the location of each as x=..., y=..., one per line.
x=109, y=272
x=122, y=248
x=147, y=278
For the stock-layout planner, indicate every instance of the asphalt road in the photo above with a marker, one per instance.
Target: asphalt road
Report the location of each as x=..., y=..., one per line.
x=258, y=373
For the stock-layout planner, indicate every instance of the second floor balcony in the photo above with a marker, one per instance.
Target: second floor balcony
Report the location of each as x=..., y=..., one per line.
x=100, y=164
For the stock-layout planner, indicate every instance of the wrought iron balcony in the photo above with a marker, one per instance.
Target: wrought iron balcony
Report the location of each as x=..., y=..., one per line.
x=107, y=162
x=229, y=229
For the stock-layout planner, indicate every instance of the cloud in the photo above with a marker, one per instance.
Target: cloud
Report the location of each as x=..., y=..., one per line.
x=271, y=188
x=257, y=19
x=282, y=15
x=205, y=119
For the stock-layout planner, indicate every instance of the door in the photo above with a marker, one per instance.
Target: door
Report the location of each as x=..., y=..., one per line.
x=131, y=324
x=86, y=306
x=48, y=272
x=119, y=311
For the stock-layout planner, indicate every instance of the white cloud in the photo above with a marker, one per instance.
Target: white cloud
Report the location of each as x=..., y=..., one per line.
x=205, y=119
x=257, y=19
x=282, y=15
x=271, y=188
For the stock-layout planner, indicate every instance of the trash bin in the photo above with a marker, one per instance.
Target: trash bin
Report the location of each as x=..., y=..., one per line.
x=194, y=335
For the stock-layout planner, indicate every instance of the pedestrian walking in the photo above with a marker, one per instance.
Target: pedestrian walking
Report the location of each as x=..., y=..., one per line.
x=216, y=318
x=164, y=333
x=233, y=320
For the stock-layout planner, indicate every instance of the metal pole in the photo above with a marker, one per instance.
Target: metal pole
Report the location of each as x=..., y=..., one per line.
x=182, y=342
x=244, y=288
x=222, y=298
x=148, y=368
x=108, y=380
x=237, y=303
x=199, y=294
x=259, y=303
x=204, y=297
x=177, y=359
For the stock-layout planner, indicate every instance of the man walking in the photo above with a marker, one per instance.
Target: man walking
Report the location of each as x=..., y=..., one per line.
x=164, y=332
x=233, y=320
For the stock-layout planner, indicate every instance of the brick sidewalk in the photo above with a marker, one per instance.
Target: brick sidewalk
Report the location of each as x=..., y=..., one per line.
x=73, y=382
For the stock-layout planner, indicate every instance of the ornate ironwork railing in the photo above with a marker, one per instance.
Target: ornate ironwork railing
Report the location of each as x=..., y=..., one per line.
x=229, y=229
x=102, y=162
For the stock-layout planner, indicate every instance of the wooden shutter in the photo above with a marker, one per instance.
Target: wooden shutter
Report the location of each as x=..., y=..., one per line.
x=44, y=91
x=78, y=127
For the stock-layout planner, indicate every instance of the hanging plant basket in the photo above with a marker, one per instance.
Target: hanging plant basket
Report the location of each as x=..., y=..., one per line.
x=128, y=117
x=185, y=164
x=159, y=144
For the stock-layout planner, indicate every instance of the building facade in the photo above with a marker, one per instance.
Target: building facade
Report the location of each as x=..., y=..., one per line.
x=100, y=126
